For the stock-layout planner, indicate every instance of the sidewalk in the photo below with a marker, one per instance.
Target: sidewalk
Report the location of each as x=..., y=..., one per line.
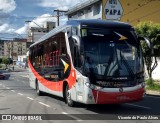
x=151, y=92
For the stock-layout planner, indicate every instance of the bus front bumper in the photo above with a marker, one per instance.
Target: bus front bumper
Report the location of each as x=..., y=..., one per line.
x=101, y=97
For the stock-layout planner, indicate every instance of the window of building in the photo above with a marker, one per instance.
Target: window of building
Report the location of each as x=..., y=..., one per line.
x=89, y=10
x=96, y=9
x=81, y=13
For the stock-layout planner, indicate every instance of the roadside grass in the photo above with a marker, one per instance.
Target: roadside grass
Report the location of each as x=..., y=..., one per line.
x=152, y=85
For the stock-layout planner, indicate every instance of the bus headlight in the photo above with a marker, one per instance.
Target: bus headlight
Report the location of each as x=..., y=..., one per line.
x=87, y=84
x=93, y=86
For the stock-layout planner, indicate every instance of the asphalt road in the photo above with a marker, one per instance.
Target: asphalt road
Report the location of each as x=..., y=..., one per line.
x=16, y=97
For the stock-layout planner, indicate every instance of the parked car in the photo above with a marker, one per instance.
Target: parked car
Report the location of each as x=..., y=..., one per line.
x=2, y=76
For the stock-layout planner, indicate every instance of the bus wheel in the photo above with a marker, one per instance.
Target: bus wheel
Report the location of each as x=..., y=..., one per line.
x=39, y=93
x=69, y=101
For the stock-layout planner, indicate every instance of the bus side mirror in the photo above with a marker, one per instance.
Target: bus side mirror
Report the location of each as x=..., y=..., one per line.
x=146, y=40
x=148, y=43
x=76, y=39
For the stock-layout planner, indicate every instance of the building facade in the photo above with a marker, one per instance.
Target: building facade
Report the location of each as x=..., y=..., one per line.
x=12, y=49
x=35, y=33
x=1, y=48
x=91, y=9
x=130, y=11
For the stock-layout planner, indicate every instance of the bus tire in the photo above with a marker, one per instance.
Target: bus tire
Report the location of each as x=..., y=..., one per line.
x=68, y=99
x=39, y=93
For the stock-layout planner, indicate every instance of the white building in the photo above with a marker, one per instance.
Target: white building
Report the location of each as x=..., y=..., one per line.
x=1, y=48
x=91, y=9
x=34, y=33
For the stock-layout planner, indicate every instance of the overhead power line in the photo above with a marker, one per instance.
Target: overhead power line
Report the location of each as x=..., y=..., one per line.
x=59, y=13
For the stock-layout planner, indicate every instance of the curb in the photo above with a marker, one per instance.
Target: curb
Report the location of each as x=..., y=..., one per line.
x=154, y=93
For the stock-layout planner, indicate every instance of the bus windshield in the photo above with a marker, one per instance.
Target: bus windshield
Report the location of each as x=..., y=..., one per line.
x=111, y=54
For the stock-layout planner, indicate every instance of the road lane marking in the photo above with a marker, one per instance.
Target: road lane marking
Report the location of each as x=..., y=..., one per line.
x=26, y=76
x=13, y=90
x=20, y=94
x=76, y=118
x=138, y=106
x=30, y=98
x=64, y=113
x=44, y=104
x=7, y=88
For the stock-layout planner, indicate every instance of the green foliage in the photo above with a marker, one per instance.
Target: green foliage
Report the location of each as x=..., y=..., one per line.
x=5, y=60
x=150, y=82
x=152, y=85
x=151, y=31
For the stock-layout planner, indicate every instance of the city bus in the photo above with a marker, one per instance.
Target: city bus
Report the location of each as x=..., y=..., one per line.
x=89, y=62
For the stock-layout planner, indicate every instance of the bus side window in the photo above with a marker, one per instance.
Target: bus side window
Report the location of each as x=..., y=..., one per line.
x=76, y=55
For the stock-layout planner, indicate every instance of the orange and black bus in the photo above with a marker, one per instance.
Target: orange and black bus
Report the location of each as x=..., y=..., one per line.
x=89, y=61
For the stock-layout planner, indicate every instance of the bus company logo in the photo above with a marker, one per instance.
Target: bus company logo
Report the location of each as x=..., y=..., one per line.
x=113, y=10
x=65, y=65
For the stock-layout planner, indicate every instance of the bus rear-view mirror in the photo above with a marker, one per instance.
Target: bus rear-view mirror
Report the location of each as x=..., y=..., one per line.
x=148, y=42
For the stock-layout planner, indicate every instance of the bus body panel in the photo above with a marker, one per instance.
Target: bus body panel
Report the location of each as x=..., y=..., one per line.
x=55, y=88
x=87, y=95
x=102, y=97
x=32, y=79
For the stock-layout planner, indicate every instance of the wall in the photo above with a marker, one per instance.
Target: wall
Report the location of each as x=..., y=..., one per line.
x=133, y=11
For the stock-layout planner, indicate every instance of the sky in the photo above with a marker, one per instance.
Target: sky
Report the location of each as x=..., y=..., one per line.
x=14, y=13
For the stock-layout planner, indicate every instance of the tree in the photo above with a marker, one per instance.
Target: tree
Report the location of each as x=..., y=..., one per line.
x=5, y=61
x=151, y=31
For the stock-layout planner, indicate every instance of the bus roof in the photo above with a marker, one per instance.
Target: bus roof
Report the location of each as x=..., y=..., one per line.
x=97, y=23
x=92, y=23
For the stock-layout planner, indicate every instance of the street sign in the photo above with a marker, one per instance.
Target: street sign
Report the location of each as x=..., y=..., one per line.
x=112, y=10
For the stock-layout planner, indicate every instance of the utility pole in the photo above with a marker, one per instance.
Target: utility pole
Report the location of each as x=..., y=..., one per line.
x=59, y=13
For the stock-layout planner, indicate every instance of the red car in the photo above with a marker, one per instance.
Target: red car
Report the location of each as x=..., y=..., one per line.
x=2, y=76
